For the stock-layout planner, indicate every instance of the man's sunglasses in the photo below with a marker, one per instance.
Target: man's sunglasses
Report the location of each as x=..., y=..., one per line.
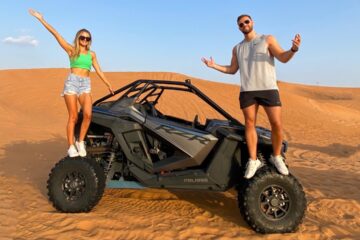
x=243, y=23
x=82, y=38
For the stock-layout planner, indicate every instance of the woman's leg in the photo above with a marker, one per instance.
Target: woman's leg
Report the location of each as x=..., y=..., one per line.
x=86, y=106
x=71, y=104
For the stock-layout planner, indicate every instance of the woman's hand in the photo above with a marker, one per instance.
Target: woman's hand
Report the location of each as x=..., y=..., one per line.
x=111, y=90
x=36, y=14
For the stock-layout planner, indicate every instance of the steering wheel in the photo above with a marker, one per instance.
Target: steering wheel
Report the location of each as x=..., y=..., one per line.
x=195, y=122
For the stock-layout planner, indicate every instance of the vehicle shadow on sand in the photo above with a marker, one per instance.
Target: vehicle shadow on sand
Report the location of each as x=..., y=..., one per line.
x=223, y=205
x=31, y=162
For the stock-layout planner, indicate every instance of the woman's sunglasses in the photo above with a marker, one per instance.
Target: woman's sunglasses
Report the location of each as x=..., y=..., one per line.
x=243, y=23
x=82, y=38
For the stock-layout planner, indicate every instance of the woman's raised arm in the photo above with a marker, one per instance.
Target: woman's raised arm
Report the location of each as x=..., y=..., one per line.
x=65, y=45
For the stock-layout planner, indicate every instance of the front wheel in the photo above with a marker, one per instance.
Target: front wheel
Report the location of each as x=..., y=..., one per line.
x=75, y=185
x=271, y=202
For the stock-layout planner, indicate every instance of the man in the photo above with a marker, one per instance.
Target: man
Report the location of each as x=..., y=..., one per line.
x=254, y=56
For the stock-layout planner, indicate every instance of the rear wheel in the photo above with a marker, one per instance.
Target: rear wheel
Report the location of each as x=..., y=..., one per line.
x=271, y=202
x=75, y=185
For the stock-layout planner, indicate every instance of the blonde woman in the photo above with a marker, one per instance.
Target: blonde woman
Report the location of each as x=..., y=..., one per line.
x=77, y=86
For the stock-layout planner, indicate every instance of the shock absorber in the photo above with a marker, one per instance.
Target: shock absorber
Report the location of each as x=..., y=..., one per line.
x=111, y=159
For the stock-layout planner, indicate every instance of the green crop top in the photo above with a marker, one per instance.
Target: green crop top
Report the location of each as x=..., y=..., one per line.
x=83, y=61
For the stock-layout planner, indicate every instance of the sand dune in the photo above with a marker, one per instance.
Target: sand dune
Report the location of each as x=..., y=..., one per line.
x=322, y=125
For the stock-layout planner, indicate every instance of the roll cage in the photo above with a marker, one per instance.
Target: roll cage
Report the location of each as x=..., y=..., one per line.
x=142, y=90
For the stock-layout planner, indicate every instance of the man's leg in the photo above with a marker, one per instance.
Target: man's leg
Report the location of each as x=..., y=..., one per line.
x=253, y=164
x=250, y=114
x=274, y=115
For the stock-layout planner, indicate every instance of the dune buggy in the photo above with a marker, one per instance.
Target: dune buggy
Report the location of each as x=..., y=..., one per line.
x=132, y=143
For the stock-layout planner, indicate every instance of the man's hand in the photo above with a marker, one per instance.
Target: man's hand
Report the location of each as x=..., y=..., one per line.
x=296, y=43
x=210, y=63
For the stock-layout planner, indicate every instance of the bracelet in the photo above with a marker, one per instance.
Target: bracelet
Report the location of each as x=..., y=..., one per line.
x=291, y=49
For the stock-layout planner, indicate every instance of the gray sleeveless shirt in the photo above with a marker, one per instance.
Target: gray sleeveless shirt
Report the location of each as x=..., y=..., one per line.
x=256, y=65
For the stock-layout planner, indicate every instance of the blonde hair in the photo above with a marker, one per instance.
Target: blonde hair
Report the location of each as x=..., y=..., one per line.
x=76, y=52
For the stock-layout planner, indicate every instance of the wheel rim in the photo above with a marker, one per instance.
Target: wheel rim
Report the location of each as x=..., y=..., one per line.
x=274, y=202
x=73, y=186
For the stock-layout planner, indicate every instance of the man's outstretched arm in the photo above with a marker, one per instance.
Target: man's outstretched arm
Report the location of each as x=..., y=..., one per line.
x=229, y=69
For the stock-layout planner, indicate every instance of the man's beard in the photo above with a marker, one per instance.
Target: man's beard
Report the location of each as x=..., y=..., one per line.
x=248, y=30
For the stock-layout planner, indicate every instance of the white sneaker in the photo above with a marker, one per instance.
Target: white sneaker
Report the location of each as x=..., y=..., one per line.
x=81, y=148
x=72, y=152
x=278, y=162
x=251, y=167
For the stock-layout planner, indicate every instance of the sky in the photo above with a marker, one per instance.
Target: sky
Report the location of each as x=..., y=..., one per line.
x=173, y=35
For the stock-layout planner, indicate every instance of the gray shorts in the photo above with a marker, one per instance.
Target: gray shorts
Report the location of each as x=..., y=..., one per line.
x=75, y=84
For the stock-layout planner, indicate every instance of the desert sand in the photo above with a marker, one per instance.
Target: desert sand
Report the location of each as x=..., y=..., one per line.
x=321, y=124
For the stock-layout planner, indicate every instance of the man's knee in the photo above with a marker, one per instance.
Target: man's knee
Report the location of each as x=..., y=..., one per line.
x=276, y=125
x=249, y=122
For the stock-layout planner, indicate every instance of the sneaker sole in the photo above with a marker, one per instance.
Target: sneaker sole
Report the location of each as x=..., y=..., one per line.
x=74, y=156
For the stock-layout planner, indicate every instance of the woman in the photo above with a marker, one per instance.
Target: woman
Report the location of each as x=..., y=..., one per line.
x=77, y=86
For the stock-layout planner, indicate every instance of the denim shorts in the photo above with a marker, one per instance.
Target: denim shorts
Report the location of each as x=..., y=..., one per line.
x=75, y=84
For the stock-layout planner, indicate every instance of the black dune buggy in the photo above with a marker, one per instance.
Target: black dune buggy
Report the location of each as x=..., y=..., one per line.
x=130, y=142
